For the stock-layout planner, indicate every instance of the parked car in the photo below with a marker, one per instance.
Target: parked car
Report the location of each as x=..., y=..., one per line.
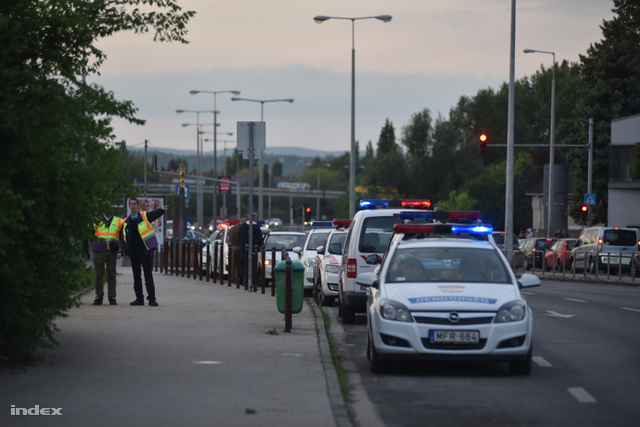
x=279, y=240
x=559, y=255
x=499, y=237
x=604, y=247
x=325, y=274
x=530, y=252
x=307, y=254
x=196, y=237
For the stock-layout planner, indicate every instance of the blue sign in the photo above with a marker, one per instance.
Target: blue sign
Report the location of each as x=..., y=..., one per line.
x=186, y=191
x=590, y=199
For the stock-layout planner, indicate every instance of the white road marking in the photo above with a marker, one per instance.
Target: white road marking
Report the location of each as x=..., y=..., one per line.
x=575, y=300
x=631, y=309
x=206, y=362
x=554, y=314
x=541, y=361
x=581, y=395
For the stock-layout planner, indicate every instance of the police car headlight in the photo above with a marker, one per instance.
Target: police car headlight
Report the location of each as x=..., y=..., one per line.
x=393, y=310
x=333, y=269
x=513, y=311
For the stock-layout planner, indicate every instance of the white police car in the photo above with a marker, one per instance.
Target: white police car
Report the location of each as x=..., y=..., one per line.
x=446, y=298
x=307, y=252
x=327, y=266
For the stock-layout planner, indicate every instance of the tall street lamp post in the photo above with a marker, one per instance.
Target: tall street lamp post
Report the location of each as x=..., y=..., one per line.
x=352, y=173
x=552, y=138
x=215, y=139
x=224, y=198
x=261, y=167
x=200, y=212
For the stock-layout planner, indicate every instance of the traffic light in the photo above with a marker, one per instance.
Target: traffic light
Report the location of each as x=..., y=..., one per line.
x=483, y=142
x=307, y=213
x=584, y=214
x=181, y=175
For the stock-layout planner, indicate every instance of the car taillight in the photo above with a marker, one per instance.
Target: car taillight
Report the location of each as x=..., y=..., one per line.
x=352, y=268
x=599, y=245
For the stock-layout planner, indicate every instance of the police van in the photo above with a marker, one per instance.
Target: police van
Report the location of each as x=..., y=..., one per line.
x=369, y=233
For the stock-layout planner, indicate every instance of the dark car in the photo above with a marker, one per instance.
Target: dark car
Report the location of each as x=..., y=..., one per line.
x=500, y=237
x=559, y=255
x=530, y=252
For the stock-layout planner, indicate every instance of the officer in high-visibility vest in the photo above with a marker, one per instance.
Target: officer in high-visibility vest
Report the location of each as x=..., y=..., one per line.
x=105, y=248
x=140, y=242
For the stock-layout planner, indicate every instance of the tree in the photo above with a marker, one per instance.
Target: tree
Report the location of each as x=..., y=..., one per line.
x=60, y=159
x=610, y=72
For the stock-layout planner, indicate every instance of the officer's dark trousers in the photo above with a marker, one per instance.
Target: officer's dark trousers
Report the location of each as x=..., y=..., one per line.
x=141, y=258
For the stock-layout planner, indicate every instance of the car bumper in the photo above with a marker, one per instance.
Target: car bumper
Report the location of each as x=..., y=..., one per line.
x=403, y=340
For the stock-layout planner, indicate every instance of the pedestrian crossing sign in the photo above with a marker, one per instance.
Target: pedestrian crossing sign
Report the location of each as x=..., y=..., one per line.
x=590, y=199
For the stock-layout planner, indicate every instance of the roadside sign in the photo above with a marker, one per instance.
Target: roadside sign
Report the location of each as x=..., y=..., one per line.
x=243, y=136
x=589, y=199
x=186, y=191
x=224, y=187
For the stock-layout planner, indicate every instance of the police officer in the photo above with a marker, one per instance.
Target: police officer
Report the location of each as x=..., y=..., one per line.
x=105, y=254
x=140, y=242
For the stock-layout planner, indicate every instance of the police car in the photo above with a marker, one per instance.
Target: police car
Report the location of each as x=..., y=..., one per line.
x=327, y=265
x=440, y=297
x=279, y=240
x=307, y=252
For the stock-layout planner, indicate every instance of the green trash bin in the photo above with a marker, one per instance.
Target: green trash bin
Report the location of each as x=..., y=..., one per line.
x=297, y=286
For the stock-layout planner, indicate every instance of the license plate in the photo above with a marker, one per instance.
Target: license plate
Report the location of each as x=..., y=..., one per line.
x=613, y=260
x=455, y=337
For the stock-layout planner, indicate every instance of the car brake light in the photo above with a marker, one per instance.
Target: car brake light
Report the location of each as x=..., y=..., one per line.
x=352, y=268
x=599, y=249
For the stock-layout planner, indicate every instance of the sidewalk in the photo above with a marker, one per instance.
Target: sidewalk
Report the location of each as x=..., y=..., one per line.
x=209, y=355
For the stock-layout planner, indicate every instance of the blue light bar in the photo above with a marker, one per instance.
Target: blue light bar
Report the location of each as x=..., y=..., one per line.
x=322, y=224
x=472, y=229
x=373, y=203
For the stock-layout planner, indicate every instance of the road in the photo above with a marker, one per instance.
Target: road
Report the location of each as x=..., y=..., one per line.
x=586, y=369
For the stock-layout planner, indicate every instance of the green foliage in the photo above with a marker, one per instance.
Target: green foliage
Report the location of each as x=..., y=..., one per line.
x=458, y=202
x=59, y=154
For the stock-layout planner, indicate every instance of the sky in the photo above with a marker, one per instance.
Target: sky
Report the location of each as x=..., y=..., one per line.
x=429, y=55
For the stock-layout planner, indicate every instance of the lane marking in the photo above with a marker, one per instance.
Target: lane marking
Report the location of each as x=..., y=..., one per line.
x=554, y=314
x=541, y=361
x=206, y=362
x=581, y=395
x=575, y=300
x=631, y=309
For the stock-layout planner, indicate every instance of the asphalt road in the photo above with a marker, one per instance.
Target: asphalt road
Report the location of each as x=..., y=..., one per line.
x=586, y=369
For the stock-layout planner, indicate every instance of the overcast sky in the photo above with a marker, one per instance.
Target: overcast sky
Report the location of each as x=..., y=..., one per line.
x=430, y=54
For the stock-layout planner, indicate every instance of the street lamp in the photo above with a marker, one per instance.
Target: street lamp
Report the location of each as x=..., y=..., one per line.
x=199, y=161
x=552, y=136
x=215, y=139
x=261, y=167
x=352, y=173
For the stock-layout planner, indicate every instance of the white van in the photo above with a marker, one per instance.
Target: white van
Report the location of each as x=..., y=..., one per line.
x=369, y=233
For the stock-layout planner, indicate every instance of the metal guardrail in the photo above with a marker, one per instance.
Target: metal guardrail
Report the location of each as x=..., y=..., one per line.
x=627, y=273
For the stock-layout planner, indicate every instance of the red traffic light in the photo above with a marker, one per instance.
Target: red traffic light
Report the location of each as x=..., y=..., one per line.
x=483, y=137
x=307, y=209
x=584, y=208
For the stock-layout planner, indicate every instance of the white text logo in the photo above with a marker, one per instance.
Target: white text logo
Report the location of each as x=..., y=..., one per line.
x=36, y=410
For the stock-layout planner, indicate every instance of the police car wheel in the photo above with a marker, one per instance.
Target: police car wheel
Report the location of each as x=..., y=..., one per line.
x=377, y=364
x=521, y=366
x=348, y=315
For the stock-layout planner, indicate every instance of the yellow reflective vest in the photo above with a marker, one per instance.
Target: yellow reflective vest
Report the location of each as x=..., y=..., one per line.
x=108, y=237
x=145, y=228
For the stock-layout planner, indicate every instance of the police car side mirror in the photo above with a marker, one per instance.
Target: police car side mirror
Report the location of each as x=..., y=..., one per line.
x=528, y=280
x=297, y=250
x=366, y=279
x=320, y=250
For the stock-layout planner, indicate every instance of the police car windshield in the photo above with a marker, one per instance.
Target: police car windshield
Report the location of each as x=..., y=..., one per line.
x=287, y=241
x=436, y=264
x=376, y=233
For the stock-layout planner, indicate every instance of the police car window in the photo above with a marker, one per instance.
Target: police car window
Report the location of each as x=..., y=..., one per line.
x=376, y=233
x=337, y=239
x=453, y=265
x=316, y=239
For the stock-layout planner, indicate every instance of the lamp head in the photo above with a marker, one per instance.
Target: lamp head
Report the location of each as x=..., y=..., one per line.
x=529, y=51
x=236, y=99
x=235, y=92
x=321, y=18
x=179, y=111
x=193, y=92
x=384, y=18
